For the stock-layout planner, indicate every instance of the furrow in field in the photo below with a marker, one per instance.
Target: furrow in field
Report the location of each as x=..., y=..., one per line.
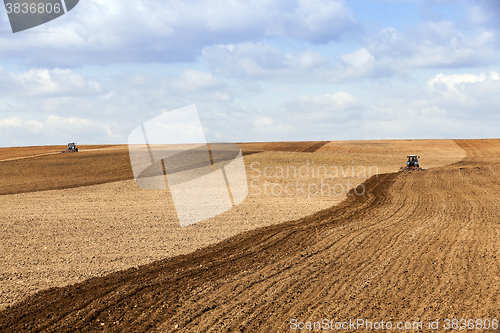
x=416, y=246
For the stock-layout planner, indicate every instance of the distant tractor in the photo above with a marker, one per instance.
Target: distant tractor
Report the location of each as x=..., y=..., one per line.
x=412, y=164
x=71, y=148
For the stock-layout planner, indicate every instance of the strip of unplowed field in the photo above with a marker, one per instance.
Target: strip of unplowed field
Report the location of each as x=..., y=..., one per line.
x=416, y=246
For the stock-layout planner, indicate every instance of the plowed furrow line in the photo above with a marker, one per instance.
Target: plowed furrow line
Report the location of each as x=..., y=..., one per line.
x=418, y=245
x=308, y=295
x=241, y=245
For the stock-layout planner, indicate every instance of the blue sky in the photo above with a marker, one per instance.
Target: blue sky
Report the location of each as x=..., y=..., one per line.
x=256, y=70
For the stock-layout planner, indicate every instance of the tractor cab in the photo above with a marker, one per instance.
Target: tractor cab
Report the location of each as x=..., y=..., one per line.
x=412, y=161
x=72, y=147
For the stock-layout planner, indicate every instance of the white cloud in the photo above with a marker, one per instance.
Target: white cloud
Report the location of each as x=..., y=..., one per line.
x=433, y=45
x=339, y=101
x=191, y=80
x=250, y=48
x=390, y=52
x=313, y=21
x=447, y=106
x=358, y=58
x=114, y=31
x=53, y=130
x=260, y=121
x=452, y=82
x=457, y=105
x=11, y=122
x=264, y=61
x=386, y=53
x=307, y=117
x=45, y=82
x=362, y=64
x=466, y=96
x=483, y=13
x=48, y=105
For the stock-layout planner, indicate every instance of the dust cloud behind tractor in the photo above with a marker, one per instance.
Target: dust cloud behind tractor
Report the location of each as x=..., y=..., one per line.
x=26, y=14
x=205, y=180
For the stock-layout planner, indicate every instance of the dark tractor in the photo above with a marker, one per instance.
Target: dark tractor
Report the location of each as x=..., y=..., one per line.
x=71, y=148
x=412, y=164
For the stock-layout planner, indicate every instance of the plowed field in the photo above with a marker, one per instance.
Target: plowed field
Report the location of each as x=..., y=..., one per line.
x=415, y=246
x=29, y=169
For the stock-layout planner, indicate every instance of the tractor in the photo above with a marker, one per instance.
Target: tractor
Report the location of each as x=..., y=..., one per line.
x=71, y=148
x=411, y=164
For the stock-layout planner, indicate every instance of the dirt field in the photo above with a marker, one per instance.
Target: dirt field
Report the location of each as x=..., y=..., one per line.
x=22, y=152
x=44, y=168
x=30, y=169
x=416, y=245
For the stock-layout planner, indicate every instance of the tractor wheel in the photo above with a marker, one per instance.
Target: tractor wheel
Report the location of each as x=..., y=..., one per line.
x=76, y=150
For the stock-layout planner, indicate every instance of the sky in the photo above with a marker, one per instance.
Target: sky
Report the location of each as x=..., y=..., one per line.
x=260, y=70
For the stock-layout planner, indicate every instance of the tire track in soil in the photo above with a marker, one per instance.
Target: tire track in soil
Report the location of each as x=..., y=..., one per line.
x=417, y=245
x=30, y=156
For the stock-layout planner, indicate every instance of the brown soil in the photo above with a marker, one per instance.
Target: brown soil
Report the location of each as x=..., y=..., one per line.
x=417, y=245
x=290, y=146
x=388, y=154
x=30, y=169
x=45, y=168
x=20, y=152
